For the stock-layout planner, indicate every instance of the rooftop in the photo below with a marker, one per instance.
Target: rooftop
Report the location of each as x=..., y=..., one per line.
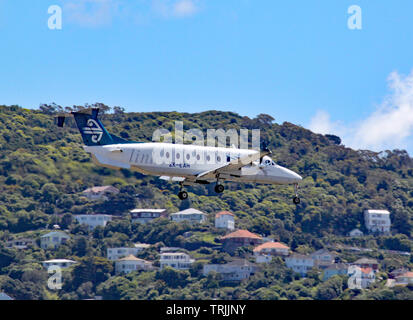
x=366, y=270
x=242, y=234
x=377, y=211
x=101, y=189
x=189, y=211
x=148, y=210
x=224, y=213
x=131, y=258
x=55, y=233
x=59, y=261
x=366, y=261
x=408, y=274
x=270, y=245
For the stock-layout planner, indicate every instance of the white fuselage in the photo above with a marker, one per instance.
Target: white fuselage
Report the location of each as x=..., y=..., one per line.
x=187, y=161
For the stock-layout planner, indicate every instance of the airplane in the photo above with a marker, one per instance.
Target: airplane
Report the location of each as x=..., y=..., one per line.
x=186, y=164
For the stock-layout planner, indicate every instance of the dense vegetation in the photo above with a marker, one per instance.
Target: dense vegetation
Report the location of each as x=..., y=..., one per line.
x=43, y=170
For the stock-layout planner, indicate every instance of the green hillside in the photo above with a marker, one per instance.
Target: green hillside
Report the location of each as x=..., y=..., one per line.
x=43, y=170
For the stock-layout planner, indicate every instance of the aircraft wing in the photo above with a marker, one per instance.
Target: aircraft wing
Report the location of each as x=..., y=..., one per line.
x=172, y=179
x=232, y=166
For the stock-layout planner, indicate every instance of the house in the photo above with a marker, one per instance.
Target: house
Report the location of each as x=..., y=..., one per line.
x=265, y=252
x=367, y=263
x=404, y=279
x=176, y=260
x=323, y=258
x=335, y=269
x=146, y=215
x=377, y=221
x=114, y=254
x=53, y=240
x=61, y=263
x=93, y=220
x=236, y=270
x=131, y=263
x=192, y=215
x=100, y=193
x=240, y=238
x=299, y=263
x=364, y=278
x=20, y=243
x=171, y=249
x=4, y=297
x=356, y=233
x=398, y=272
x=225, y=220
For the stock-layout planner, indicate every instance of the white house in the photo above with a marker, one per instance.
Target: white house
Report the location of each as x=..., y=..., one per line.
x=323, y=258
x=225, y=220
x=356, y=233
x=377, y=221
x=176, y=260
x=20, y=243
x=117, y=253
x=335, y=269
x=100, y=193
x=300, y=263
x=405, y=278
x=146, y=215
x=53, y=239
x=131, y=263
x=362, y=278
x=4, y=297
x=61, y=263
x=192, y=215
x=93, y=220
x=266, y=251
x=236, y=270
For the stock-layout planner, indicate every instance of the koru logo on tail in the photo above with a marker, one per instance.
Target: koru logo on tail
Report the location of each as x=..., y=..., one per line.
x=94, y=130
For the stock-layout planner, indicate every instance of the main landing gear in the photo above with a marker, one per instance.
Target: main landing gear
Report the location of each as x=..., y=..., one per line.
x=183, y=195
x=296, y=199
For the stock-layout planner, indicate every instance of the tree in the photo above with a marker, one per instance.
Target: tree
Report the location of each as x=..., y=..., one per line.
x=173, y=278
x=93, y=269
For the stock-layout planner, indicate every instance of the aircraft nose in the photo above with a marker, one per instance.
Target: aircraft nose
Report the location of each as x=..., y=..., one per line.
x=292, y=176
x=295, y=176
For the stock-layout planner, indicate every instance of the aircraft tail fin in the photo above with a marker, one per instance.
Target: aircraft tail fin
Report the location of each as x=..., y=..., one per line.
x=92, y=130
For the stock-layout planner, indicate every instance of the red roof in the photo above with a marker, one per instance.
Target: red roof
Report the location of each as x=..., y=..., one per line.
x=408, y=274
x=224, y=213
x=366, y=270
x=242, y=234
x=271, y=245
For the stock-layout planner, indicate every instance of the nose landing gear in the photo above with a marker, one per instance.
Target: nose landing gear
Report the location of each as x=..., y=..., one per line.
x=183, y=195
x=219, y=188
x=296, y=199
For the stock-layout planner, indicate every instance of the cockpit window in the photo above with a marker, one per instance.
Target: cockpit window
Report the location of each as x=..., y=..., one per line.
x=269, y=163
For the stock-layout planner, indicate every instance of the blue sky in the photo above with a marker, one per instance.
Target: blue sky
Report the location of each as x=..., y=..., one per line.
x=296, y=60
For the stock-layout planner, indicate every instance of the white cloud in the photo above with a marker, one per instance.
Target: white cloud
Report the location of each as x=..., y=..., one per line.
x=175, y=8
x=390, y=126
x=321, y=123
x=97, y=13
x=90, y=13
x=184, y=8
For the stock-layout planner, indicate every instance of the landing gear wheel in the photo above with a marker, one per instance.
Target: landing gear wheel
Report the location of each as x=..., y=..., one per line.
x=183, y=195
x=296, y=200
x=219, y=188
